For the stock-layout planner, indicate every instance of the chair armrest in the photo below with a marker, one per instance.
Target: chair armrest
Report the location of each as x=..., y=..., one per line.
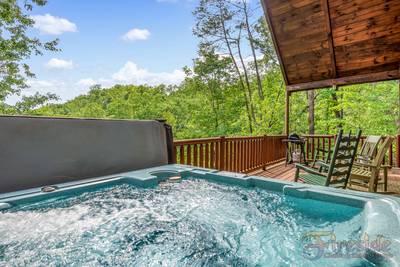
x=386, y=166
x=363, y=157
x=309, y=170
x=362, y=160
x=322, y=164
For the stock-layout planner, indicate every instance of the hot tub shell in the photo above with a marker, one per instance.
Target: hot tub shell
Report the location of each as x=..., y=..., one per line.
x=381, y=213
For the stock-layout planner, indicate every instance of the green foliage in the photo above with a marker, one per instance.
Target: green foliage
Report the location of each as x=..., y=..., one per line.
x=372, y=107
x=16, y=45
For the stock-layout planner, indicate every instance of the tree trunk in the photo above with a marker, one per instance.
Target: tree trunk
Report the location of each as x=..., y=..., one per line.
x=311, y=97
x=228, y=45
x=338, y=113
x=270, y=123
x=246, y=78
x=253, y=51
x=214, y=108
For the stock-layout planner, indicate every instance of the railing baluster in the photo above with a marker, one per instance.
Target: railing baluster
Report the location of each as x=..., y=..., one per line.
x=212, y=155
x=312, y=147
x=217, y=155
x=241, y=155
x=201, y=155
x=181, y=155
x=207, y=156
x=231, y=156
x=247, y=155
x=195, y=155
x=329, y=144
x=189, y=155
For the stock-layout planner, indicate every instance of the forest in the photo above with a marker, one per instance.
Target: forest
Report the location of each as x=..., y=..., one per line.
x=234, y=86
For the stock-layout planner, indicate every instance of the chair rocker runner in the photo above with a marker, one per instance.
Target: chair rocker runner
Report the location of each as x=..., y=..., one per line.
x=335, y=173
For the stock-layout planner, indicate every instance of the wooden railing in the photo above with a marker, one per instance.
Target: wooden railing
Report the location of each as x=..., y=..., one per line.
x=326, y=142
x=245, y=154
x=238, y=154
x=313, y=142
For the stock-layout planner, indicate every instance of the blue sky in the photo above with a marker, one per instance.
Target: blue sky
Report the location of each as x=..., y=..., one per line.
x=109, y=42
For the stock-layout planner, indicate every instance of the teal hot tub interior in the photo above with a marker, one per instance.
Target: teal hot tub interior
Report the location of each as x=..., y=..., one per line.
x=150, y=218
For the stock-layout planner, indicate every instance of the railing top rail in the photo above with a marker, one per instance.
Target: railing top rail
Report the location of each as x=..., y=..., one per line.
x=251, y=137
x=197, y=141
x=217, y=139
x=318, y=135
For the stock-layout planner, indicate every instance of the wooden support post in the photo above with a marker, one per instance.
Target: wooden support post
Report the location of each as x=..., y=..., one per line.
x=287, y=111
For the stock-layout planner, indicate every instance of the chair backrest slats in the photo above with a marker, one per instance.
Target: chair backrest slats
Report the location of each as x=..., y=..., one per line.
x=369, y=147
x=343, y=157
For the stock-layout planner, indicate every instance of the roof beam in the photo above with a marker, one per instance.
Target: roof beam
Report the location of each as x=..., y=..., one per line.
x=276, y=45
x=325, y=6
x=363, y=78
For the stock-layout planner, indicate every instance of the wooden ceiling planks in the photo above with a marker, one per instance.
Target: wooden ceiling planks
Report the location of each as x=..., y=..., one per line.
x=322, y=43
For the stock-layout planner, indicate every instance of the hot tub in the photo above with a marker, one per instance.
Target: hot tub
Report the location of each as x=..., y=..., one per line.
x=205, y=217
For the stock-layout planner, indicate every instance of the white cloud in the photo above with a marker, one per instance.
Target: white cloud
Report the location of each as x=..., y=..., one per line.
x=136, y=34
x=87, y=82
x=39, y=83
x=130, y=73
x=59, y=64
x=40, y=86
x=48, y=24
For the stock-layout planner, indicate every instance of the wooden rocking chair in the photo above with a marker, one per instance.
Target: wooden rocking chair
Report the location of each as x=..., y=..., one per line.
x=367, y=173
x=335, y=173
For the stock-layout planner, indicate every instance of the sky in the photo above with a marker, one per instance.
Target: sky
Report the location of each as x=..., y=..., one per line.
x=111, y=42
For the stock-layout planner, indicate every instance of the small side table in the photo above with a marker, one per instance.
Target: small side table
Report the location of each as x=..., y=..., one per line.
x=291, y=145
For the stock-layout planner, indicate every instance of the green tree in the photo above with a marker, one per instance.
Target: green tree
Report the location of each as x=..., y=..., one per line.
x=216, y=25
x=212, y=73
x=16, y=46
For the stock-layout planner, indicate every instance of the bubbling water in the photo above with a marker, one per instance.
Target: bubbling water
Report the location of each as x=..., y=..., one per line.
x=191, y=223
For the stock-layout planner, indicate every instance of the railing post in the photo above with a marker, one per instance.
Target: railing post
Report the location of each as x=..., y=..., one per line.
x=222, y=153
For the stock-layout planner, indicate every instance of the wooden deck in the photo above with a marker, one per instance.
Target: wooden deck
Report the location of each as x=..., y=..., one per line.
x=286, y=173
x=278, y=171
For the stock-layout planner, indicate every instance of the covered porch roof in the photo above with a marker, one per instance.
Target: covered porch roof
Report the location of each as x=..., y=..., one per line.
x=323, y=43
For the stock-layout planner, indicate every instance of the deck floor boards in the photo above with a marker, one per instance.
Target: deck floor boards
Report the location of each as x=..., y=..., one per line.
x=286, y=172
